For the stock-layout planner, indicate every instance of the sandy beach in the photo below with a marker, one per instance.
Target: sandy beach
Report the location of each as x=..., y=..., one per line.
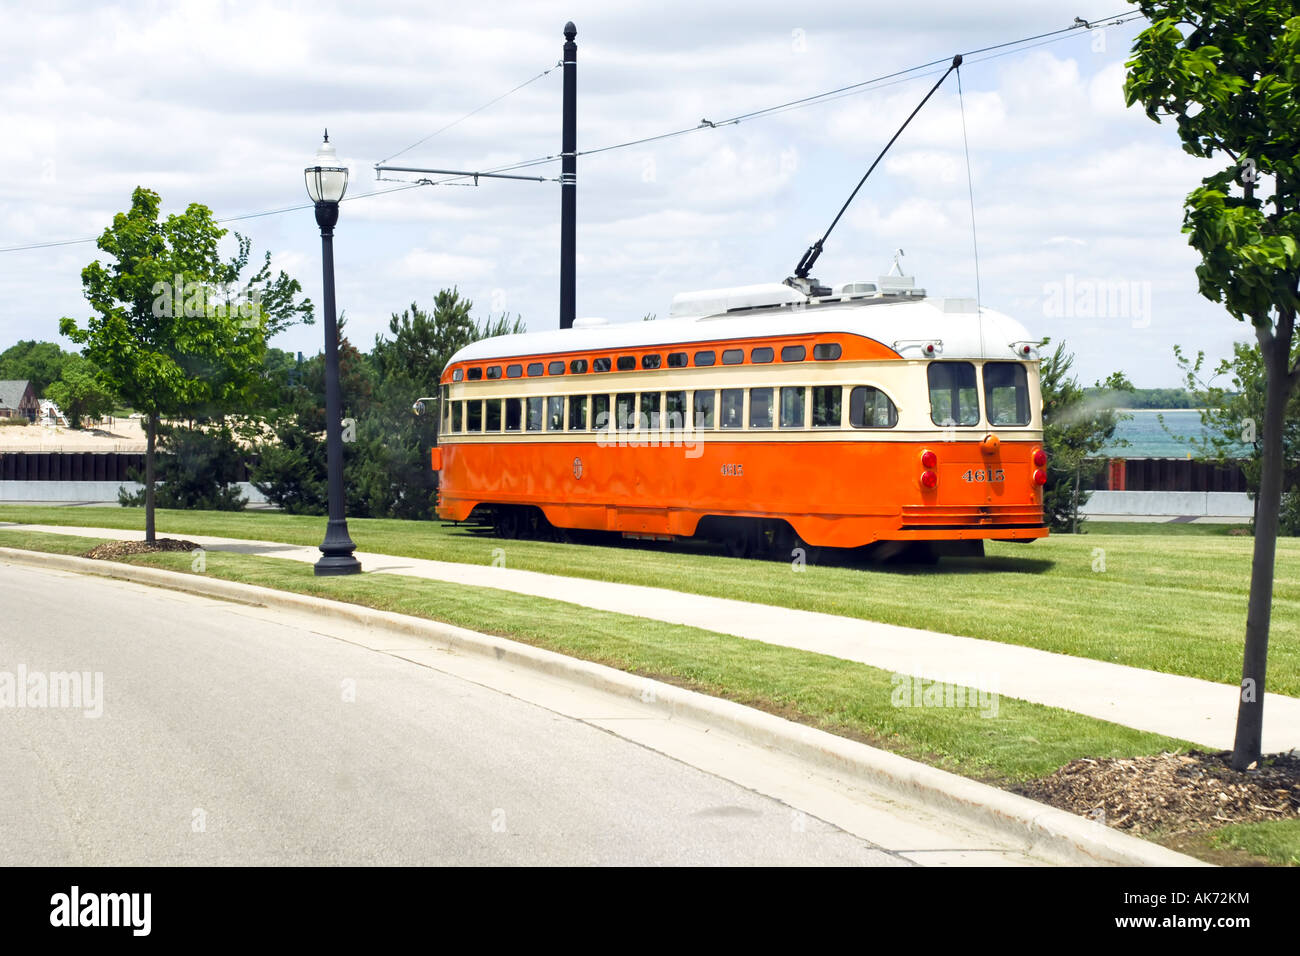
x=118, y=434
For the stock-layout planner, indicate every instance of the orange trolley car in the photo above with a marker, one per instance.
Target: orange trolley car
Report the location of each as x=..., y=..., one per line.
x=762, y=416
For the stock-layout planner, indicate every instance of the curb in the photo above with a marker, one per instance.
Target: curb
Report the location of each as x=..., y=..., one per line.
x=1043, y=829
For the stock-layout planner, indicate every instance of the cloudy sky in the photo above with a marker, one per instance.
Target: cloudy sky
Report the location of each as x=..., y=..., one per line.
x=223, y=103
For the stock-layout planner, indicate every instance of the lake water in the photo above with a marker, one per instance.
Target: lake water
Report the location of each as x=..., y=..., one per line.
x=1148, y=438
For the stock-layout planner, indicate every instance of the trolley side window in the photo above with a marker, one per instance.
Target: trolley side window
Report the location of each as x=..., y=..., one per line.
x=555, y=413
x=600, y=365
x=675, y=409
x=625, y=410
x=457, y=415
x=513, y=416
x=600, y=413
x=707, y=357
x=792, y=404
x=492, y=411
x=1006, y=393
x=705, y=403
x=733, y=408
x=871, y=408
x=534, y=413
x=649, y=411
x=577, y=413
x=954, y=397
x=760, y=408
x=827, y=406
x=474, y=421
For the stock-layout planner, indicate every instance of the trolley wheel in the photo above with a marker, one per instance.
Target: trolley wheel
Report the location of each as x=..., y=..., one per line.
x=789, y=545
x=738, y=544
x=506, y=522
x=533, y=524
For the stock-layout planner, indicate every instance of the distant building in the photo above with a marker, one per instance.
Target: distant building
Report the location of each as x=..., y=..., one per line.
x=17, y=399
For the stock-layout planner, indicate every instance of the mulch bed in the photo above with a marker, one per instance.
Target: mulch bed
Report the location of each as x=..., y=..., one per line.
x=119, y=549
x=1174, y=792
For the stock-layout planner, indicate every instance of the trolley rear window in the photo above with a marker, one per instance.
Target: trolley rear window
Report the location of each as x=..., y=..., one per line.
x=954, y=396
x=1006, y=393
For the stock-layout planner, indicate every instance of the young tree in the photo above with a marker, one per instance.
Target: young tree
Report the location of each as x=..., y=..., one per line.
x=169, y=334
x=80, y=391
x=1227, y=71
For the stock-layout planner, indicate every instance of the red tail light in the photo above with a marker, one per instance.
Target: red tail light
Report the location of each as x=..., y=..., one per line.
x=929, y=479
x=1040, y=457
x=929, y=459
x=1040, y=477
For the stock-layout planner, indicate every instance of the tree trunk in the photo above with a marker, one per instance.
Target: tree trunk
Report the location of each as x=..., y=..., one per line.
x=1074, y=499
x=1276, y=352
x=150, y=447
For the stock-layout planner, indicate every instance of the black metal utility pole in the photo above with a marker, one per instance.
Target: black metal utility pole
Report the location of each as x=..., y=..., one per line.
x=569, y=182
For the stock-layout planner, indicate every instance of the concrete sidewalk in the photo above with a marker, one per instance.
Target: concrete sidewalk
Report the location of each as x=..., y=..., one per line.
x=1184, y=707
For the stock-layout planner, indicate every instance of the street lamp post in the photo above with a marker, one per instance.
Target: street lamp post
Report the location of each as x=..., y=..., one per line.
x=327, y=181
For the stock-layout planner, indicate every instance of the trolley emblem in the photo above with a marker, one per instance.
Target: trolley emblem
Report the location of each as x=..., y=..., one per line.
x=577, y=468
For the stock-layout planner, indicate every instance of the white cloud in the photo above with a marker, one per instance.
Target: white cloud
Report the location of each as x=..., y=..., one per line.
x=224, y=104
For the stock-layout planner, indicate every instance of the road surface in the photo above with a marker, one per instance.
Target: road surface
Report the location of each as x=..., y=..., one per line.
x=231, y=734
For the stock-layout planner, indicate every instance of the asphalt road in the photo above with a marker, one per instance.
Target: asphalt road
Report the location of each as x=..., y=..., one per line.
x=233, y=734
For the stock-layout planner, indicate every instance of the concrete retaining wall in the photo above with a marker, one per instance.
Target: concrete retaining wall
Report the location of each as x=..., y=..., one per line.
x=1195, y=504
x=51, y=491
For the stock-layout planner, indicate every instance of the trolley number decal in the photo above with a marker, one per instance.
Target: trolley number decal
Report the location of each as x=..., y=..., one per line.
x=733, y=471
x=979, y=475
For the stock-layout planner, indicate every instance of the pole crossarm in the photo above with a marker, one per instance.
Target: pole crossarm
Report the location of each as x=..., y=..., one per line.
x=462, y=172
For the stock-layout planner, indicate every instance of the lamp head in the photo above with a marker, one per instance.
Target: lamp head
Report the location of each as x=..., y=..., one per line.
x=327, y=180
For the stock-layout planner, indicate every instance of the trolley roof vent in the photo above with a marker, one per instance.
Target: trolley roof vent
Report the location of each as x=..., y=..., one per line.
x=590, y=322
x=769, y=295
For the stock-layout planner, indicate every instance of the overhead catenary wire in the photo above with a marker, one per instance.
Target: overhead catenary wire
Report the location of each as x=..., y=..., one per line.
x=473, y=112
x=879, y=82
x=239, y=218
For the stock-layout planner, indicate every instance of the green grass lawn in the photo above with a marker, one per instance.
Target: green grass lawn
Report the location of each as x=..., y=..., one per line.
x=1276, y=842
x=1168, y=603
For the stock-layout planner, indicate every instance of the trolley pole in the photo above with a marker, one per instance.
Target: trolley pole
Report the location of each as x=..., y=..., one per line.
x=569, y=181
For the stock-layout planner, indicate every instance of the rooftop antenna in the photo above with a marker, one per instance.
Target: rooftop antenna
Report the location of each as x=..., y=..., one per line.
x=800, y=278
